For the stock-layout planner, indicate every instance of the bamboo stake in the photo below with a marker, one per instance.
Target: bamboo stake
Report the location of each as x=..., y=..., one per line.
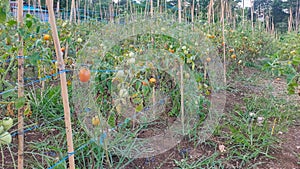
x=252, y=11
x=298, y=14
x=146, y=5
x=267, y=24
x=184, y=11
x=84, y=10
x=273, y=27
x=297, y=17
x=28, y=10
x=179, y=11
x=182, y=96
x=213, y=12
x=234, y=21
x=101, y=15
x=63, y=83
x=67, y=8
x=193, y=10
x=34, y=6
x=158, y=5
x=78, y=13
x=166, y=8
x=181, y=75
x=223, y=35
x=209, y=12
x=20, y=91
x=160, y=9
x=40, y=8
x=151, y=8
x=290, y=21
x=111, y=13
x=243, y=14
x=153, y=99
x=57, y=9
x=73, y=11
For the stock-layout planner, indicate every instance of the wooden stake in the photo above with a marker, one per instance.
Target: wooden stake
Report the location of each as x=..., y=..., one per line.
x=151, y=8
x=297, y=16
x=63, y=83
x=193, y=10
x=101, y=17
x=223, y=3
x=57, y=9
x=267, y=24
x=78, y=13
x=28, y=10
x=34, y=6
x=209, y=12
x=290, y=21
x=73, y=11
x=252, y=11
x=153, y=100
x=181, y=75
x=111, y=12
x=243, y=21
x=182, y=96
x=179, y=11
x=20, y=91
x=213, y=12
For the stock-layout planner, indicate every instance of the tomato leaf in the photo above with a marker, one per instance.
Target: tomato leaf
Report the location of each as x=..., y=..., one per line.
x=139, y=108
x=2, y=15
x=12, y=23
x=112, y=120
x=28, y=23
x=38, y=28
x=296, y=60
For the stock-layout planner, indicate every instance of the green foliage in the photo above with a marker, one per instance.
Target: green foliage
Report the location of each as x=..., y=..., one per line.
x=286, y=60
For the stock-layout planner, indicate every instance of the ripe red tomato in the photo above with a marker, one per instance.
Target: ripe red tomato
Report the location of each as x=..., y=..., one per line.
x=84, y=75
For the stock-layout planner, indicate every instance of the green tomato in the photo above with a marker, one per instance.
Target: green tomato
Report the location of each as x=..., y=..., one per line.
x=5, y=138
x=7, y=123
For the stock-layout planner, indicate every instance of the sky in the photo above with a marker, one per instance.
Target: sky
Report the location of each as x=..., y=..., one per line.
x=247, y=3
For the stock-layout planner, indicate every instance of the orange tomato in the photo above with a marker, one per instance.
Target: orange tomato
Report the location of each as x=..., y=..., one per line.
x=211, y=36
x=233, y=56
x=152, y=80
x=144, y=83
x=84, y=75
x=46, y=37
x=171, y=50
x=95, y=121
x=63, y=49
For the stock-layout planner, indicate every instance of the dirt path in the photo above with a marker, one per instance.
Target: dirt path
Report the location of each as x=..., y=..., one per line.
x=288, y=156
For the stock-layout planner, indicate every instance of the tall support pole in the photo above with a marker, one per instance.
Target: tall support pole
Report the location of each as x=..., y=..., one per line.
x=20, y=90
x=63, y=83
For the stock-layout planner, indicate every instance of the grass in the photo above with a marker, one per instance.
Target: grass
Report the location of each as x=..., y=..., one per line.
x=246, y=140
